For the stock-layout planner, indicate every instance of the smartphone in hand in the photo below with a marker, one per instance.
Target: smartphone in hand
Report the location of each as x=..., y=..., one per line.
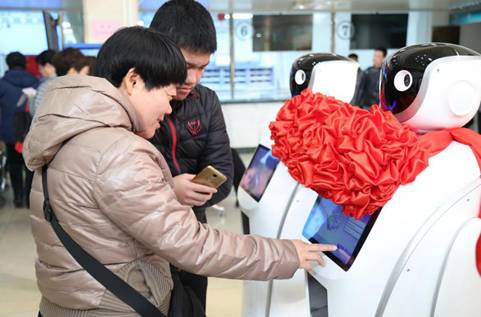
x=211, y=177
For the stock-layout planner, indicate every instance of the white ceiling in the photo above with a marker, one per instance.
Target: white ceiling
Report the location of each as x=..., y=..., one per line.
x=269, y=6
x=335, y=5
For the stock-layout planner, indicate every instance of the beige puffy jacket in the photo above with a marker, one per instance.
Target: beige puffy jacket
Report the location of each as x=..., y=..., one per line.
x=112, y=192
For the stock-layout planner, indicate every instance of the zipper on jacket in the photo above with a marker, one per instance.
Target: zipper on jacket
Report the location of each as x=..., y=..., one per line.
x=173, y=132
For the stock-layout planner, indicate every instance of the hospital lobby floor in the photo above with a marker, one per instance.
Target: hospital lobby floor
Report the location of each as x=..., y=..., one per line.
x=19, y=295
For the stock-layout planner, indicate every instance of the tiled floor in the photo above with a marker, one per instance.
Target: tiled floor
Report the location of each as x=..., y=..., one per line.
x=19, y=296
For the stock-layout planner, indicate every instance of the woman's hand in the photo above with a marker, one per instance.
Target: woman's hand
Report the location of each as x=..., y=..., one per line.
x=191, y=194
x=311, y=252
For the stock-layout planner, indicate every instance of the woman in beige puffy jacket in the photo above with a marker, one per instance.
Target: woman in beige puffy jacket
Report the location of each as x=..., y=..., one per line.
x=112, y=190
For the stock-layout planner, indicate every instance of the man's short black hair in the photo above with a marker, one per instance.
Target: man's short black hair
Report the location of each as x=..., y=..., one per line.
x=188, y=24
x=45, y=57
x=16, y=60
x=382, y=49
x=66, y=59
x=152, y=55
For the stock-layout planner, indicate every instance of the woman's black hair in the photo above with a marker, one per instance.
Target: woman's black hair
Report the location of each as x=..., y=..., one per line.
x=153, y=56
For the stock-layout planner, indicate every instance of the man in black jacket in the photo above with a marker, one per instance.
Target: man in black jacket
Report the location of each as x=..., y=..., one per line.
x=369, y=86
x=194, y=135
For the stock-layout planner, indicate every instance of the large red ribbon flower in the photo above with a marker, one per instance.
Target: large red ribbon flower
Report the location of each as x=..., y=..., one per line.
x=352, y=156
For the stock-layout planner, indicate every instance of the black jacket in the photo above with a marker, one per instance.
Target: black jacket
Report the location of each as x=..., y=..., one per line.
x=11, y=86
x=369, y=88
x=193, y=137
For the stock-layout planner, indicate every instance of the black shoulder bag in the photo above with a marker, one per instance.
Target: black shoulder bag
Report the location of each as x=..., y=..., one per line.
x=183, y=301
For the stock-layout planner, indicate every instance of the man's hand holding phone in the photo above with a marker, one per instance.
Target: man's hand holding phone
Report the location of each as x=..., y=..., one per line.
x=192, y=194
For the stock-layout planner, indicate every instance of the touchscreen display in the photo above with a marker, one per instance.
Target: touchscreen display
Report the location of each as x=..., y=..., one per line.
x=259, y=173
x=327, y=224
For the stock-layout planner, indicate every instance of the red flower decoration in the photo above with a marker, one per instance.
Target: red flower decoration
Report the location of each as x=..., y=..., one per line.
x=352, y=156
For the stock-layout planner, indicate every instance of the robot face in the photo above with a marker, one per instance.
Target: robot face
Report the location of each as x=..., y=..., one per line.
x=301, y=70
x=403, y=73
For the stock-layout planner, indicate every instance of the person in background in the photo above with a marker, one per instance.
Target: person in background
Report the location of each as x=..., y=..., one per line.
x=3, y=173
x=194, y=135
x=17, y=77
x=9, y=97
x=85, y=65
x=45, y=65
x=369, y=87
x=357, y=93
x=46, y=68
x=69, y=61
x=90, y=62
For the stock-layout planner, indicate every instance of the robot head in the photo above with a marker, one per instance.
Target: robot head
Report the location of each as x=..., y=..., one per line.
x=432, y=86
x=327, y=73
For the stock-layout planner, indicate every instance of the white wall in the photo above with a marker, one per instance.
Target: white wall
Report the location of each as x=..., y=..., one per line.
x=419, y=27
x=470, y=36
x=279, y=61
x=248, y=124
x=22, y=31
x=103, y=18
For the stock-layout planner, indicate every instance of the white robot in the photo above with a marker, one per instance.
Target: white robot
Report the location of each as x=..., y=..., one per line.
x=416, y=255
x=267, y=190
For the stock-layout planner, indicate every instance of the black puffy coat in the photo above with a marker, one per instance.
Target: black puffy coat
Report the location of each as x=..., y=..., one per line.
x=193, y=137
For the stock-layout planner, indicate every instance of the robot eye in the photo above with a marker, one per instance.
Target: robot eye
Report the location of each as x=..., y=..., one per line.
x=403, y=80
x=300, y=77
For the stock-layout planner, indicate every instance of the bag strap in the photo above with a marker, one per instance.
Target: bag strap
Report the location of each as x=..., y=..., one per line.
x=97, y=270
